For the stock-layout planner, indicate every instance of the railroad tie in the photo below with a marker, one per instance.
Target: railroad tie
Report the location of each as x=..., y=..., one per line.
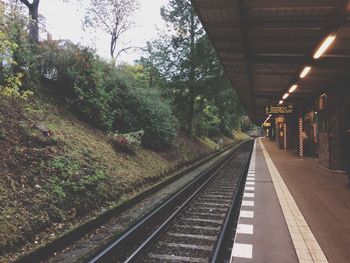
x=187, y=246
x=178, y=258
x=211, y=238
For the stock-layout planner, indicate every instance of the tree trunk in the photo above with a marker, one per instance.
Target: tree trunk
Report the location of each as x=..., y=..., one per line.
x=150, y=83
x=191, y=112
x=191, y=76
x=34, y=24
x=33, y=9
x=113, y=45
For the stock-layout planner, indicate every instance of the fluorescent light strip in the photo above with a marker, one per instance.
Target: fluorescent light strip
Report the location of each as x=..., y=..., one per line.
x=293, y=88
x=285, y=96
x=305, y=72
x=325, y=45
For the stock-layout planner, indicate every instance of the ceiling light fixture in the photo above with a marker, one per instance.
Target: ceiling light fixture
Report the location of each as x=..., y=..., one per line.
x=305, y=71
x=325, y=45
x=280, y=102
x=293, y=88
x=285, y=96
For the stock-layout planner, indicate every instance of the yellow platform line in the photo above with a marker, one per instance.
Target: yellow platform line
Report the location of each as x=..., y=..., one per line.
x=305, y=243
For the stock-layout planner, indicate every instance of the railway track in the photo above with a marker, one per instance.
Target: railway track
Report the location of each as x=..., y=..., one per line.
x=191, y=226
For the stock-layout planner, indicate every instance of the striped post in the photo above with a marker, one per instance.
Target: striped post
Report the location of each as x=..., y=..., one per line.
x=301, y=138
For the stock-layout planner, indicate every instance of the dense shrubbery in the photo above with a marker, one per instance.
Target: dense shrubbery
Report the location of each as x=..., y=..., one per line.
x=156, y=95
x=80, y=79
x=101, y=93
x=73, y=183
x=152, y=114
x=127, y=142
x=14, y=65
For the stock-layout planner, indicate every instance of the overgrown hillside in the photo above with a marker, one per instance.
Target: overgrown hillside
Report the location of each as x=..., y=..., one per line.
x=51, y=182
x=80, y=134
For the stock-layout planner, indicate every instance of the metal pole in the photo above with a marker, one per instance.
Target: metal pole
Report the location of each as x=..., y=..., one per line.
x=301, y=137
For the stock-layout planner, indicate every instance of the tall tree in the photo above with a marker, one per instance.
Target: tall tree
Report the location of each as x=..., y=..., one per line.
x=33, y=8
x=193, y=76
x=154, y=63
x=180, y=15
x=112, y=16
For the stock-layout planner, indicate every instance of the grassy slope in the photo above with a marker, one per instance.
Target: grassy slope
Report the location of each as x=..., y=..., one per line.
x=48, y=185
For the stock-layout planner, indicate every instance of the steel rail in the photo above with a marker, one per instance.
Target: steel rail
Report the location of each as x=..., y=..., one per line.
x=229, y=220
x=46, y=251
x=115, y=249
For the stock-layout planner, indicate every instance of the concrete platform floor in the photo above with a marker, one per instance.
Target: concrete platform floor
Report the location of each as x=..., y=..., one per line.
x=323, y=198
x=262, y=235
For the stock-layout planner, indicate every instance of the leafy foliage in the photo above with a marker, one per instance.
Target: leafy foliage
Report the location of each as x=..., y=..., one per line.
x=207, y=119
x=11, y=90
x=25, y=55
x=75, y=183
x=110, y=98
x=193, y=78
x=80, y=78
x=12, y=67
x=178, y=83
x=157, y=119
x=185, y=62
x=127, y=142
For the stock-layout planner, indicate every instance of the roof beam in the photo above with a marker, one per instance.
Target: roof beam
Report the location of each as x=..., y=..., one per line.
x=326, y=62
x=246, y=46
x=226, y=37
x=273, y=25
x=333, y=23
x=218, y=4
x=225, y=4
x=236, y=33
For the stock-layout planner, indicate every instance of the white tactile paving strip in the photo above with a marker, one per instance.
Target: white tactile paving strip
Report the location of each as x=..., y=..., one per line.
x=249, y=195
x=247, y=203
x=245, y=229
x=306, y=245
x=247, y=214
x=240, y=250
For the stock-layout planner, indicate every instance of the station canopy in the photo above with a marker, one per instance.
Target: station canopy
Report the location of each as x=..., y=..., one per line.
x=264, y=46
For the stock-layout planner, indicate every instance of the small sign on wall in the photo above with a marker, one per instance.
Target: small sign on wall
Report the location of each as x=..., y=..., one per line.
x=285, y=109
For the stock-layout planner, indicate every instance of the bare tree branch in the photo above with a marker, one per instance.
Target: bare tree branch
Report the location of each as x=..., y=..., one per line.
x=125, y=50
x=112, y=16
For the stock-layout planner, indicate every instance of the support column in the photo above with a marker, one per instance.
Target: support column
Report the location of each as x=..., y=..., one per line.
x=285, y=134
x=301, y=137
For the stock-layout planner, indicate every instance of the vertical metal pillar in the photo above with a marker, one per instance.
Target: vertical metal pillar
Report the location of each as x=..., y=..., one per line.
x=285, y=133
x=301, y=137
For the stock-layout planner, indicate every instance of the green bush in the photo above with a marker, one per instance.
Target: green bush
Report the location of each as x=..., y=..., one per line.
x=74, y=181
x=108, y=97
x=24, y=55
x=207, y=121
x=17, y=63
x=80, y=78
x=127, y=142
x=155, y=117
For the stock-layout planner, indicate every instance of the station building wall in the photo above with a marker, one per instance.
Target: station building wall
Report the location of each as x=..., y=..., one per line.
x=331, y=136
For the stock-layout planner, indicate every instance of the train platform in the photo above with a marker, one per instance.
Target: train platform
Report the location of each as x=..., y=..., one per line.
x=292, y=211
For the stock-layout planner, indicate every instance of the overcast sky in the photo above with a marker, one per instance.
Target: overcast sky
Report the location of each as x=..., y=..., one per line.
x=64, y=21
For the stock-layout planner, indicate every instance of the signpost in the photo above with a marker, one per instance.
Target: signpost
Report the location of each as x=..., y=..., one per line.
x=280, y=109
